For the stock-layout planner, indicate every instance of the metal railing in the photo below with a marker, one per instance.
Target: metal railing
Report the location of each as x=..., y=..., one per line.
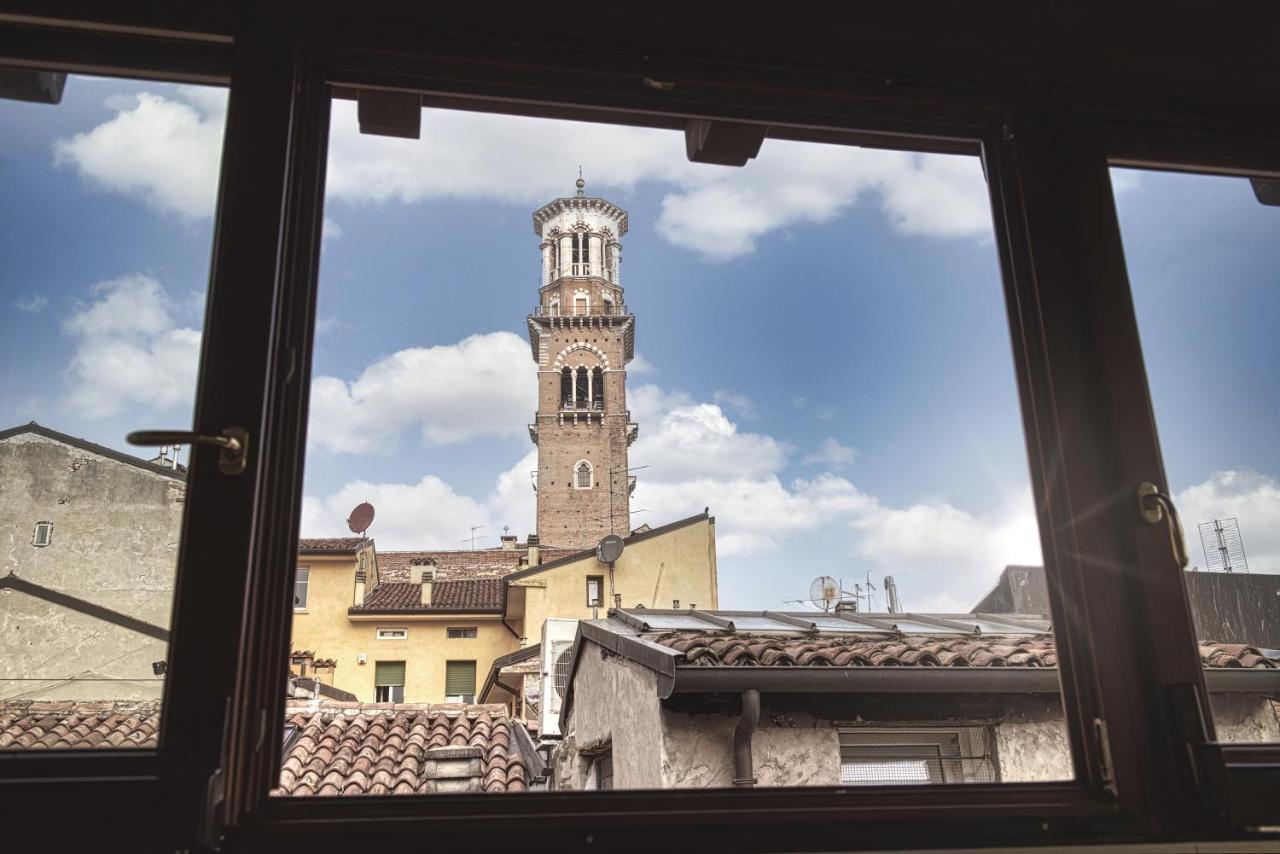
x=582, y=405
x=595, y=309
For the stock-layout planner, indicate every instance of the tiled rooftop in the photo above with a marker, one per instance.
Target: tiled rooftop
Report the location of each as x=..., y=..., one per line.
x=329, y=544
x=402, y=749
x=479, y=594
x=460, y=563
x=741, y=649
x=69, y=725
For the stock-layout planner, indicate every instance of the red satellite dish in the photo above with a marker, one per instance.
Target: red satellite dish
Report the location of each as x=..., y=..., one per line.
x=361, y=518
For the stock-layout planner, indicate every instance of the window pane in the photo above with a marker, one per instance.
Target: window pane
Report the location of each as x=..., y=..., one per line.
x=1204, y=267
x=793, y=392
x=108, y=192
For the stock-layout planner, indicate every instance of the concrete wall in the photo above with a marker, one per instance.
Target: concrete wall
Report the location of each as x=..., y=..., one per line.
x=326, y=629
x=115, y=543
x=1032, y=744
x=615, y=705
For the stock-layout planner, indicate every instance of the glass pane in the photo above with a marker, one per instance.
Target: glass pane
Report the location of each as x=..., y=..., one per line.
x=779, y=434
x=1204, y=266
x=108, y=195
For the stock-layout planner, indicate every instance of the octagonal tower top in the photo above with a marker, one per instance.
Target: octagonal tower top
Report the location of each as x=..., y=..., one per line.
x=580, y=237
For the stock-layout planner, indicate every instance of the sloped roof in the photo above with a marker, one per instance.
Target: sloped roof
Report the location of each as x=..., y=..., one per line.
x=461, y=563
x=405, y=749
x=330, y=544
x=745, y=650
x=92, y=448
x=71, y=725
x=475, y=594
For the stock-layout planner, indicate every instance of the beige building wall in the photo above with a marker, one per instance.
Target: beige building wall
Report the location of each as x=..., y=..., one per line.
x=654, y=571
x=325, y=628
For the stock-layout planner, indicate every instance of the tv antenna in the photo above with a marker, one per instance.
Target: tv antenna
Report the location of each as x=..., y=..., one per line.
x=1223, y=547
x=474, y=536
x=824, y=592
x=361, y=519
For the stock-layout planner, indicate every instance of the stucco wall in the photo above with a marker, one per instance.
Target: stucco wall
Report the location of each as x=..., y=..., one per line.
x=653, y=572
x=615, y=704
x=1245, y=718
x=115, y=543
x=326, y=629
x=697, y=751
x=1032, y=744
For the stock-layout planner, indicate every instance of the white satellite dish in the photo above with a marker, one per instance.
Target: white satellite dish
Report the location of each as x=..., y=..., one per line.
x=824, y=592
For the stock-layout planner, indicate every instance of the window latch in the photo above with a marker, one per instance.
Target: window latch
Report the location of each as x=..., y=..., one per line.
x=1155, y=507
x=233, y=444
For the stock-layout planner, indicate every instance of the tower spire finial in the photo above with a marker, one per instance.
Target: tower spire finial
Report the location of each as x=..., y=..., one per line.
x=580, y=184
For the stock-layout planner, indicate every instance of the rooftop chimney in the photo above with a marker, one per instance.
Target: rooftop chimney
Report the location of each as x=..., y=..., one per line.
x=423, y=574
x=508, y=542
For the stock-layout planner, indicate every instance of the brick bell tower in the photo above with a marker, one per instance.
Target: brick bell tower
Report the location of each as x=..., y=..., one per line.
x=582, y=336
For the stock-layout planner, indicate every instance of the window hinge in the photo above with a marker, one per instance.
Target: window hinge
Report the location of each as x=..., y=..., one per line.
x=211, y=824
x=1103, y=743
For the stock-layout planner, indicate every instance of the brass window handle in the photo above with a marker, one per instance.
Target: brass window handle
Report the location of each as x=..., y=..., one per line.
x=233, y=444
x=1155, y=507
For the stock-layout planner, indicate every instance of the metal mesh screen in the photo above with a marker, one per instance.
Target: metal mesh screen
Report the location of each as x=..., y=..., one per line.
x=880, y=756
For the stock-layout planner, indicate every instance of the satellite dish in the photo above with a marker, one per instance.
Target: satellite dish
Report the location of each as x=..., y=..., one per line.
x=610, y=548
x=361, y=518
x=824, y=592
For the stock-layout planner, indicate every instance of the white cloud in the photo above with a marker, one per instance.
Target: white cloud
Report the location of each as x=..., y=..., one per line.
x=738, y=404
x=831, y=453
x=640, y=366
x=483, y=385
x=129, y=350
x=330, y=230
x=162, y=151
x=1253, y=499
x=690, y=441
x=33, y=304
x=165, y=151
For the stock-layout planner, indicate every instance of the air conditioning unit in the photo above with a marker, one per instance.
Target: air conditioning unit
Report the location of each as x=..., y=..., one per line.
x=557, y=651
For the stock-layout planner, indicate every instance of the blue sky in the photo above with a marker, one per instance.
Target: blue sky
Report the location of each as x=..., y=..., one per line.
x=824, y=359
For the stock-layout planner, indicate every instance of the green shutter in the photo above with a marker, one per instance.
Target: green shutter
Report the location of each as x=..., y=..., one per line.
x=388, y=673
x=459, y=678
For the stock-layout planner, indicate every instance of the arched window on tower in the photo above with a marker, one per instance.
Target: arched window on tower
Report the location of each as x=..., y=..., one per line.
x=582, y=475
x=581, y=253
x=582, y=388
x=597, y=389
x=566, y=388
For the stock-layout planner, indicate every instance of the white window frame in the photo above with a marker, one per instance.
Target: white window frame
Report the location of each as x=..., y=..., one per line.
x=596, y=601
x=302, y=576
x=392, y=633
x=461, y=632
x=964, y=753
x=47, y=540
x=591, y=474
x=388, y=693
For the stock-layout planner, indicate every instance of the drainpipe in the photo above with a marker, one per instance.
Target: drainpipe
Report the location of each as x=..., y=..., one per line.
x=742, y=770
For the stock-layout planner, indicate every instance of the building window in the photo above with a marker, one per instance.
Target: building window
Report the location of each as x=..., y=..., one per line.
x=882, y=756
x=393, y=634
x=388, y=682
x=460, y=682
x=595, y=591
x=582, y=475
x=455, y=632
x=301, y=583
x=600, y=774
x=43, y=534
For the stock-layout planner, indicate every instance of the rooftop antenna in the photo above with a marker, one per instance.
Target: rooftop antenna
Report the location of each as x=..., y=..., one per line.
x=360, y=519
x=472, y=539
x=824, y=592
x=1223, y=547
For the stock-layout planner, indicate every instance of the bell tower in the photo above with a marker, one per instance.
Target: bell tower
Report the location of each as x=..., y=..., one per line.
x=582, y=336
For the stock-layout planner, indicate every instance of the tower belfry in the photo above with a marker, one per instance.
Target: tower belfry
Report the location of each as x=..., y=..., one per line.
x=582, y=336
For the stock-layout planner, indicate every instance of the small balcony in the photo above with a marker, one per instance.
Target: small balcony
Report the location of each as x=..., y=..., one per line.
x=582, y=309
x=568, y=405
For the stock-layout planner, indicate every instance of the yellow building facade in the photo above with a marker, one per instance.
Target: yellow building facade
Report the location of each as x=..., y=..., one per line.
x=433, y=630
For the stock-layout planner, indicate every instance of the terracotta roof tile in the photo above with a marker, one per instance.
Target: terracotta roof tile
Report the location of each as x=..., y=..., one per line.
x=329, y=544
x=460, y=564
x=479, y=594
x=411, y=749
x=741, y=649
x=69, y=725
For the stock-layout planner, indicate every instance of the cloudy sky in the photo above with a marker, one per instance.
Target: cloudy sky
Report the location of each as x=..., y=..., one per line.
x=823, y=358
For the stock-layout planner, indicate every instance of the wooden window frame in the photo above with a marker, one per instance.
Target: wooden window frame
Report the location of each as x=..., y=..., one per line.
x=210, y=777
